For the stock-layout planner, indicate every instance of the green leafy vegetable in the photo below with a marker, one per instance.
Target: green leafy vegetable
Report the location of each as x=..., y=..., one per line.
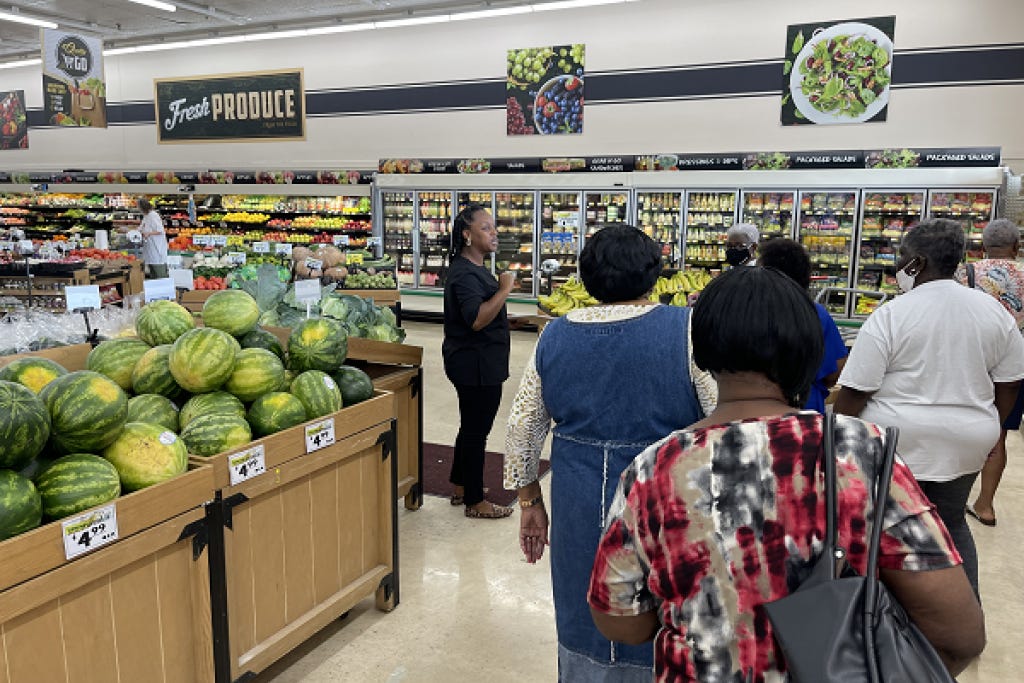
x=798, y=43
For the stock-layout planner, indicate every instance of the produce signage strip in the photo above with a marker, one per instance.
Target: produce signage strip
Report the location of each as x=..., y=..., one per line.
x=264, y=177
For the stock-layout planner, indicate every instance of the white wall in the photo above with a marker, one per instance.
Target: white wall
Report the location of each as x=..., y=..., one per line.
x=651, y=33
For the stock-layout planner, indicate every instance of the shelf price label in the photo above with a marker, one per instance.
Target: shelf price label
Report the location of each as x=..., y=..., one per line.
x=159, y=290
x=183, y=278
x=261, y=247
x=307, y=290
x=283, y=248
x=319, y=435
x=340, y=240
x=89, y=531
x=6, y=246
x=247, y=464
x=314, y=264
x=219, y=240
x=200, y=240
x=174, y=260
x=353, y=259
x=85, y=297
x=26, y=246
x=236, y=258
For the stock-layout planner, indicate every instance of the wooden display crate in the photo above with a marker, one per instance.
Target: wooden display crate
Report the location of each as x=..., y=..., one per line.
x=137, y=609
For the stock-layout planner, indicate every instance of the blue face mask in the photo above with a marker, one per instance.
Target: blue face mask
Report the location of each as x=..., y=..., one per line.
x=737, y=256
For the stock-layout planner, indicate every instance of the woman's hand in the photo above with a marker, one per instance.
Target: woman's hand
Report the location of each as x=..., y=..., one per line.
x=533, y=532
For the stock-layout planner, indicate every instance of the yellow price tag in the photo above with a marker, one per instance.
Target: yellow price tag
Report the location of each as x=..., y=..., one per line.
x=353, y=259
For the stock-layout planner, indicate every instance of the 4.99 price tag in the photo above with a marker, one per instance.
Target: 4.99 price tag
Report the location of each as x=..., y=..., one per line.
x=319, y=435
x=247, y=464
x=89, y=531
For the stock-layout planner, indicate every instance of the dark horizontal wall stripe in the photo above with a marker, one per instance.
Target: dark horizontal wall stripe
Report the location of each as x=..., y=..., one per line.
x=936, y=67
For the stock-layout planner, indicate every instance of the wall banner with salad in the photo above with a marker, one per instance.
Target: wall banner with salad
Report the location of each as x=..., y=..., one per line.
x=74, y=90
x=13, y=122
x=544, y=90
x=838, y=72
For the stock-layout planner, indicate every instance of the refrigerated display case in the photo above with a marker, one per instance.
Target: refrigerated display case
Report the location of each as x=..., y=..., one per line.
x=886, y=216
x=604, y=209
x=433, y=237
x=660, y=215
x=398, y=211
x=709, y=215
x=515, y=217
x=972, y=208
x=560, y=221
x=827, y=220
x=770, y=210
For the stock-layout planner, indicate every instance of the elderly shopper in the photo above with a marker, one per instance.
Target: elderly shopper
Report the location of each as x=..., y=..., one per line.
x=741, y=244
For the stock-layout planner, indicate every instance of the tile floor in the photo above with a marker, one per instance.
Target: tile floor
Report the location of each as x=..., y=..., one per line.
x=471, y=609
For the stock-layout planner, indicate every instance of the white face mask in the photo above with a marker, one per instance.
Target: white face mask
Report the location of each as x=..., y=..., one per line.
x=904, y=280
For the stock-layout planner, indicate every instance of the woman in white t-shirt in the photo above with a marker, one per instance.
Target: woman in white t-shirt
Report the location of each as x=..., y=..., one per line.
x=943, y=363
x=154, y=240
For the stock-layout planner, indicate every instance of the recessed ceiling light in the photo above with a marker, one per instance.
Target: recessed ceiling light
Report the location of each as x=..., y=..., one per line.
x=22, y=19
x=165, y=6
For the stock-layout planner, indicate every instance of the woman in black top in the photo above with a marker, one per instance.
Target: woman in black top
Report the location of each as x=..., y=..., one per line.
x=475, y=350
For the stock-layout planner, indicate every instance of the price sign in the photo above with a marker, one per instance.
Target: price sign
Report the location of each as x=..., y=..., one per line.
x=26, y=246
x=319, y=435
x=200, y=240
x=174, y=260
x=183, y=278
x=283, y=248
x=82, y=296
x=307, y=290
x=340, y=240
x=89, y=531
x=353, y=259
x=247, y=464
x=6, y=246
x=219, y=240
x=314, y=264
x=261, y=247
x=236, y=258
x=372, y=242
x=158, y=290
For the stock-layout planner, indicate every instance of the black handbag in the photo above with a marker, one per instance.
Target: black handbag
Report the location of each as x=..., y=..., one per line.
x=849, y=627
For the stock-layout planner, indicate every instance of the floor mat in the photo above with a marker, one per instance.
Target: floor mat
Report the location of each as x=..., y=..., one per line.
x=437, y=465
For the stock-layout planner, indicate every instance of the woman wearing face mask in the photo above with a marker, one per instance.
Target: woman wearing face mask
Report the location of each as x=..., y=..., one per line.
x=943, y=363
x=741, y=245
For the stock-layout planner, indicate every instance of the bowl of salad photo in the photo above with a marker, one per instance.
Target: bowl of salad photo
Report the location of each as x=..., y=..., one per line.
x=842, y=74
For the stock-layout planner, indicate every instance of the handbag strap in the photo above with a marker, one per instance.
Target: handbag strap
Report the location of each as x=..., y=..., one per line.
x=829, y=463
x=971, y=278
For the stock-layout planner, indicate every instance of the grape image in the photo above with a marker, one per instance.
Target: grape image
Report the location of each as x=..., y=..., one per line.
x=545, y=90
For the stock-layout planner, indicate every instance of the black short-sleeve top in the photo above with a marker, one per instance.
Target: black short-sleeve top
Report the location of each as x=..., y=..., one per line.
x=473, y=358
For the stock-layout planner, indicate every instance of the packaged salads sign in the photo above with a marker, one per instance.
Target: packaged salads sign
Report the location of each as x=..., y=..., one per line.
x=249, y=107
x=74, y=91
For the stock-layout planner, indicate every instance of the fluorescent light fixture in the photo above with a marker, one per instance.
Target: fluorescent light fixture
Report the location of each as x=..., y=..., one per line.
x=341, y=28
x=165, y=6
x=22, y=19
x=413, y=21
x=488, y=13
x=572, y=4
x=22, y=62
x=274, y=35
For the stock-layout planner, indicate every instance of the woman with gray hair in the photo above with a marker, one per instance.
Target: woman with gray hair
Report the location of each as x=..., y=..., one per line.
x=741, y=244
x=943, y=363
x=1001, y=276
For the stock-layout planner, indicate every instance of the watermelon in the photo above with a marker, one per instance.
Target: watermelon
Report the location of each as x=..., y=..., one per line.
x=87, y=411
x=116, y=358
x=77, y=482
x=152, y=374
x=34, y=373
x=146, y=454
x=20, y=506
x=35, y=466
x=261, y=339
x=318, y=393
x=273, y=412
x=162, y=322
x=154, y=409
x=317, y=344
x=214, y=403
x=202, y=359
x=24, y=425
x=232, y=311
x=355, y=385
x=256, y=372
x=212, y=434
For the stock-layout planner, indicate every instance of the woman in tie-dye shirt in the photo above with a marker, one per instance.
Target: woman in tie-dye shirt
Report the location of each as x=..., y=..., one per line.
x=716, y=520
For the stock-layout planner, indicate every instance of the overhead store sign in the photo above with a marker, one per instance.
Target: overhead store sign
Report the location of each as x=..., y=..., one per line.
x=74, y=90
x=335, y=177
x=251, y=107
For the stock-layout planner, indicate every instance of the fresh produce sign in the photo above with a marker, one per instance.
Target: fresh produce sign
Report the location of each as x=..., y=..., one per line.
x=253, y=107
x=544, y=88
x=74, y=90
x=838, y=72
x=13, y=121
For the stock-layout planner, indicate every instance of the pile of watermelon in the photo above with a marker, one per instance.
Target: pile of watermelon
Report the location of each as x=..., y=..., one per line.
x=73, y=440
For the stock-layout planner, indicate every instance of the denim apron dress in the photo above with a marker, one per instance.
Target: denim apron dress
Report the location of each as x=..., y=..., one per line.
x=612, y=389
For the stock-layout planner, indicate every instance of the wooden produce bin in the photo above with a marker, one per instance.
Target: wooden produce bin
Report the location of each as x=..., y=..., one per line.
x=305, y=539
x=193, y=300
x=137, y=609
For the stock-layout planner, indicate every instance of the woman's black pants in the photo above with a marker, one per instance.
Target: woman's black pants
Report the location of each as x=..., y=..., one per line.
x=477, y=408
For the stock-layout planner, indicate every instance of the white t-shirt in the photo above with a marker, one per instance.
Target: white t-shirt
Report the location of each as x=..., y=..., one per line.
x=154, y=247
x=931, y=357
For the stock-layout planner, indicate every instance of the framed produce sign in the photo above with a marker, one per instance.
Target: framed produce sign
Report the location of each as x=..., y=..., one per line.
x=247, y=107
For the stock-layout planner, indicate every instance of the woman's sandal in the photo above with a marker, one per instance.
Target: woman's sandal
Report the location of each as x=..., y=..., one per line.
x=456, y=500
x=496, y=512
x=984, y=520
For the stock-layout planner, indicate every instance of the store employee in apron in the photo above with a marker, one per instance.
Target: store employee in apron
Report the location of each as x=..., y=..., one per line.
x=154, y=240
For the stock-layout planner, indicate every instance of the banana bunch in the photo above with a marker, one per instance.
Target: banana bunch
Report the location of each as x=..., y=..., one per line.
x=566, y=297
x=680, y=285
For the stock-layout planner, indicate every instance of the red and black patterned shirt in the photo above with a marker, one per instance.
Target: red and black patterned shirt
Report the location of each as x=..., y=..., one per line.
x=710, y=524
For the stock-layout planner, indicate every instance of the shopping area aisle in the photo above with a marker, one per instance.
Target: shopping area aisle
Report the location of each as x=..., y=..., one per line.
x=473, y=610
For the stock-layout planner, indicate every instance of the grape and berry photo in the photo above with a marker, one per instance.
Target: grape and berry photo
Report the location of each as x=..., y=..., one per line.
x=544, y=90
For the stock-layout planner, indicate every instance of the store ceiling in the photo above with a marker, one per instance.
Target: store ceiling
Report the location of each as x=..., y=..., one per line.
x=123, y=24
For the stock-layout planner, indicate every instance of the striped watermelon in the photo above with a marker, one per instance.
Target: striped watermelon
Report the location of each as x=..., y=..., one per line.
x=256, y=372
x=87, y=411
x=146, y=454
x=24, y=425
x=202, y=359
x=261, y=339
x=154, y=409
x=116, y=358
x=34, y=373
x=162, y=322
x=152, y=374
x=355, y=385
x=77, y=482
x=20, y=506
x=274, y=412
x=214, y=403
x=212, y=434
x=318, y=392
x=317, y=344
x=232, y=311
